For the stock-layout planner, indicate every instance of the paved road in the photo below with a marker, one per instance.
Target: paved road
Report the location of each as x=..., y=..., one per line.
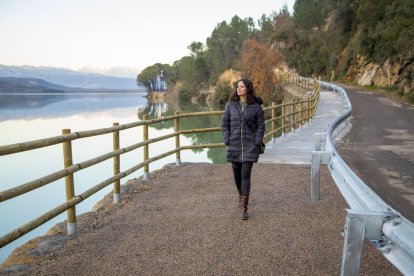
x=380, y=147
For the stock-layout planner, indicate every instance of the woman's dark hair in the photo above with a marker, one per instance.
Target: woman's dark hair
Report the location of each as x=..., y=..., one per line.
x=250, y=92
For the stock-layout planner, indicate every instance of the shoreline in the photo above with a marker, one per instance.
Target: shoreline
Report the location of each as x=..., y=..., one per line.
x=156, y=96
x=25, y=254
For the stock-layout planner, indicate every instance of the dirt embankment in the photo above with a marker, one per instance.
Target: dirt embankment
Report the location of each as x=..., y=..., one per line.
x=293, y=91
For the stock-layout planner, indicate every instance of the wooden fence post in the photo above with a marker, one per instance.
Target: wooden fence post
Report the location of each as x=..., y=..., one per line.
x=314, y=103
x=301, y=114
x=69, y=183
x=177, y=139
x=283, y=118
x=294, y=116
x=273, y=121
x=146, y=155
x=117, y=161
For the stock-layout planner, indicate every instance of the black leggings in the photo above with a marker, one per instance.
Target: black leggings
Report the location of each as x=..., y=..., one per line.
x=242, y=172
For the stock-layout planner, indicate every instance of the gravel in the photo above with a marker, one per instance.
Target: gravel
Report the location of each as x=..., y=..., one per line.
x=185, y=221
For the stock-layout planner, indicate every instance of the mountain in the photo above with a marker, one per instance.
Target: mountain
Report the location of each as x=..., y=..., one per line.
x=38, y=93
x=32, y=85
x=28, y=85
x=123, y=72
x=70, y=78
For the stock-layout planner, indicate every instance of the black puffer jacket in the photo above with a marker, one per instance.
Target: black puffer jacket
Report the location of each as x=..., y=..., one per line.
x=243, y=139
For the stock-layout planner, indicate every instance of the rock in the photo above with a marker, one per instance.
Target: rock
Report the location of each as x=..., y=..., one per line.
x=397, y=73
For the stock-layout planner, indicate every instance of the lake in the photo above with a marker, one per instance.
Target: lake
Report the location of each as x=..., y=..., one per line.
x=27, y=117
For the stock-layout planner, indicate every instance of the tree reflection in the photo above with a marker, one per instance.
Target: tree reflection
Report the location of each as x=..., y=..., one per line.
x=162, y=109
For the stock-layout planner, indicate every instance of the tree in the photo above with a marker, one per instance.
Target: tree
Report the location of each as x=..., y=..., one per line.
x=308, y=14
x=154, y=77
x=388, y=31
x=196, y=48
x=225, y=43
x=283, y=27
x=266, y=28
x=258, y=62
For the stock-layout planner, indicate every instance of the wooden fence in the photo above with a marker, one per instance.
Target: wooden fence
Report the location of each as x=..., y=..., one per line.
x=283, y=118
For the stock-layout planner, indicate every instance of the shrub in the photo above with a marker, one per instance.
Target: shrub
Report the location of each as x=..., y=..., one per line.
x=185, y=95
x=222, y=93
x=410, y=96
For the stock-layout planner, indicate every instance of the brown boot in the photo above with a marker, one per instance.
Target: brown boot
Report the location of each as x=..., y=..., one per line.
x=239, y=196
x=244, y=200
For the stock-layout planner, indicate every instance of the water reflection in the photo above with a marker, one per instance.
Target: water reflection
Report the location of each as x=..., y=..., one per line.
x=23, y=106
x=156, y=110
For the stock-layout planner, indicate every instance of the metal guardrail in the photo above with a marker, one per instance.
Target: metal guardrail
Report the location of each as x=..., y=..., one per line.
x=369, y=217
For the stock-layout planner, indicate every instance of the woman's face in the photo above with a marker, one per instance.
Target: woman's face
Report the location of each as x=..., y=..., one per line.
x=241, y=89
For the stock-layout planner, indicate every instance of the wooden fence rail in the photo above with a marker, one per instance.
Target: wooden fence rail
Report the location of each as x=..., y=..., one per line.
x=287, y=121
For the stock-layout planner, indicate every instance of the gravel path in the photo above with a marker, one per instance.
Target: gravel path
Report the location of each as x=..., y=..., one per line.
x=184, y=221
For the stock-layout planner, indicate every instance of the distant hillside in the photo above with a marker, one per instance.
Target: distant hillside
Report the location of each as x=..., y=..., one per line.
x=28, y=85
x=32, y=85
x=69, y=78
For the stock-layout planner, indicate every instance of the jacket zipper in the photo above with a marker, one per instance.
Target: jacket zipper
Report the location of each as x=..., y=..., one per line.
x=241, y=138
x=241, y=134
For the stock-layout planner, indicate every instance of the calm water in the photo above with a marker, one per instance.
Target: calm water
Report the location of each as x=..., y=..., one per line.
x=29, y=117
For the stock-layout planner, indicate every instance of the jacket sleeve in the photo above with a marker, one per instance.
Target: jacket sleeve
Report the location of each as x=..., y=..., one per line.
x=225, y=124
x=260, y=126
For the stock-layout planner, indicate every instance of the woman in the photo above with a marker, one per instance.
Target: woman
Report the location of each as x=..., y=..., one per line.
x=243, y=127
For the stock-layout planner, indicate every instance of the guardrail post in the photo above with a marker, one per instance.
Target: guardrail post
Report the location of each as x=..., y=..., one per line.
x=117, y=161
x=353, y=239
x=69, y=184
x=315, y=175
x=273, y=121
x=318, y=157
x=359, y=225
x=146, y=155
x=177, y=139
x=319, y=140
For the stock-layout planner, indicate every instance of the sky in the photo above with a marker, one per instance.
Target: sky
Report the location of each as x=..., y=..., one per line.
x=114, y=33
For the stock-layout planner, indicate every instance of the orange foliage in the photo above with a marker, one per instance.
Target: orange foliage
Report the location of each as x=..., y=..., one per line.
x=257, y=63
